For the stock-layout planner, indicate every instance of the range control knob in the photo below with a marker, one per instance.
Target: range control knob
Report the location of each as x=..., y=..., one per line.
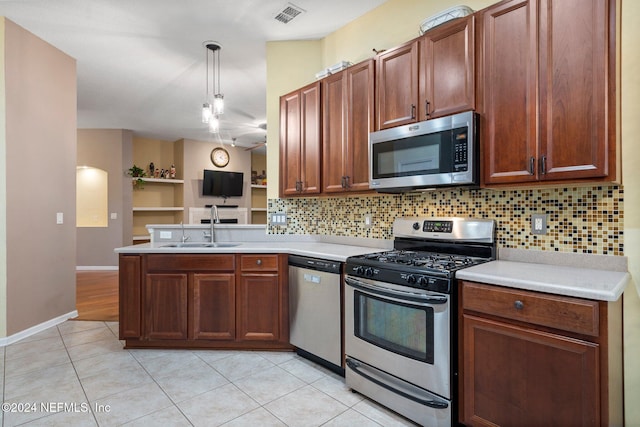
x=416, y=226
x=423, y=281
x=368, y=272
x=411, y=279
x=359, y=269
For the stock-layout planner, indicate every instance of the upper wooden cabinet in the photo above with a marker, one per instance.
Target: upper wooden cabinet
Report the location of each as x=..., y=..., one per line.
x=300, y=141
x=347, y=119
x=397, y=86
x=447, y=69
x=429, y=77
x=547, y=91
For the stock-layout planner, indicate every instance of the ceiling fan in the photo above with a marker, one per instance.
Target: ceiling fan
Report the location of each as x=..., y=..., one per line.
x=256, y=145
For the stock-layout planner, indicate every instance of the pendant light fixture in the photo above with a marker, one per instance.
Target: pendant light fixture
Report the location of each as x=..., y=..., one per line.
x=214, y=100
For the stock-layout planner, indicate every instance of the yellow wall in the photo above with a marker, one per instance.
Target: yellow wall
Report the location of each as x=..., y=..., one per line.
x=630, y=117
x=290, y=65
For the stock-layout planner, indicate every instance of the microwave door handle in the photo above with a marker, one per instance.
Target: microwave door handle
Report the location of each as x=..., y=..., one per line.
x=395, y=295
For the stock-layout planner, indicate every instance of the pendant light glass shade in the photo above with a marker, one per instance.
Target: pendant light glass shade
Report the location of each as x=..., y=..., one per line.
x=206, y=112
x=218, y=103
x=214, y=124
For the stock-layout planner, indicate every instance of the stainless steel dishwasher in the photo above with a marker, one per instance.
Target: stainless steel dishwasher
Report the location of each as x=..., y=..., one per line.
x=314, y=310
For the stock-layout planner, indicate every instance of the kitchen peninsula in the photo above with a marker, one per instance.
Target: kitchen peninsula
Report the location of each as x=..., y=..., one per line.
x=179, y=291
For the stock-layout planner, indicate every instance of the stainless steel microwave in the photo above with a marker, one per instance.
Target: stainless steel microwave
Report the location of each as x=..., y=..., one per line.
x=433, y=153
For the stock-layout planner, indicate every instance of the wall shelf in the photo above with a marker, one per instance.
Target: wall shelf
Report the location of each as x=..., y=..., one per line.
x=158, y=209
x=161, y=180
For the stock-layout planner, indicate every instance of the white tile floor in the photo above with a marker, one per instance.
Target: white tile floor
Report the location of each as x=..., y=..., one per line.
x=77, y=374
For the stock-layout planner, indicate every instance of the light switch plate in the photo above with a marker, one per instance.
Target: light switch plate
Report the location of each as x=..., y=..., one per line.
x=59, y=218
x=368, y=221
x=539, y=224
x=279, y=218
x=165, y=235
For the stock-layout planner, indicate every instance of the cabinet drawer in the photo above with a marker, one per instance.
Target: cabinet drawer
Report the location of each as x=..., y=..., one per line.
x=563, y=313
x=259, y=262
x=190, y=262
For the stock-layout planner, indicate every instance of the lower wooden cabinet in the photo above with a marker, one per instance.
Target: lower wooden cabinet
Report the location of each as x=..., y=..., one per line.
x=212, y=314
x=534, y=359
x=204, y=301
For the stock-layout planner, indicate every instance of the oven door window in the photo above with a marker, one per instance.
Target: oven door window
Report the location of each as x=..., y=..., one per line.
x=402, y=328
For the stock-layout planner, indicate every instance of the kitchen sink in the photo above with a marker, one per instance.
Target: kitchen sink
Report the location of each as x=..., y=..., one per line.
x=201, y=245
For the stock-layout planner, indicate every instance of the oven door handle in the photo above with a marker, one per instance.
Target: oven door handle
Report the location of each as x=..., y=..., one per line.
x=430, y=403
x=395, y=294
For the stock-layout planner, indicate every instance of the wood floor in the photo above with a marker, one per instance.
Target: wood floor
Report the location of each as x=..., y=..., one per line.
x=97, y=295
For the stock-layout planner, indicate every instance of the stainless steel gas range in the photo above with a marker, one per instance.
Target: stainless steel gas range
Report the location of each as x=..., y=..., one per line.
x=401, y=319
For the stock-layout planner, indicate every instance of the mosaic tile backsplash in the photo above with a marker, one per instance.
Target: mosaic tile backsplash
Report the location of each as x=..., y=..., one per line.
x=579, y=219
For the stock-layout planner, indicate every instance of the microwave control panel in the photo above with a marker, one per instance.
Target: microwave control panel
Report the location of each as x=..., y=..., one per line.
x=460, y=150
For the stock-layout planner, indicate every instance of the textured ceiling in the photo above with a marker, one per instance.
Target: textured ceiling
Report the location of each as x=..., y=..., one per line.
x=141, y=63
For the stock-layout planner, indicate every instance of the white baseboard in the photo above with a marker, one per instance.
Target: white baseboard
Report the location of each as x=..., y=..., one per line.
x=96, y=268
x=37, y=328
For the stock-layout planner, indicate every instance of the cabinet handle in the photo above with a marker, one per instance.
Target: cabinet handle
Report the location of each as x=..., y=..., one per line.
x=342, y=182
x=519, y=305
x=258, y=262
x=532, y=165
x=543, y=165
x=413, y=111
x=426, y=107
x=346, y=182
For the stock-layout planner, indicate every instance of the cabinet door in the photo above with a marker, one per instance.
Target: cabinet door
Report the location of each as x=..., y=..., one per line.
x=515, y=376
x=130, y=301
x=447, y=69
x=507, y=91
x=347, y=119
x=311, y=139
x=212, y=315
x=334, y=138
x=574, y=102
x=259, y=310
x=166, y=306
x=290, y=143
x=397, y=86
x=360, y=122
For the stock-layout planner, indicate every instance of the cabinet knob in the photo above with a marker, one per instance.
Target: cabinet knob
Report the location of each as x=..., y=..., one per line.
x=259, y=262
x=519, y=305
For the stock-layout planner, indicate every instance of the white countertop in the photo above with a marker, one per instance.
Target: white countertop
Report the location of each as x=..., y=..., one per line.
x=328, y=251
x=603, y=285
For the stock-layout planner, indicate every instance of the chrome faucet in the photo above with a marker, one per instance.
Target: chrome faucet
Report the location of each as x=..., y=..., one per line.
x=215, y=219
x=184, y=238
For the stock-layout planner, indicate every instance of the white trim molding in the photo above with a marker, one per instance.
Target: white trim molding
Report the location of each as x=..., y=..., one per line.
x=96, y=267
x=37, y=328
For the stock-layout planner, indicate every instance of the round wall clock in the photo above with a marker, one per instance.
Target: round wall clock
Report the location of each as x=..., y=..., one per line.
x=220, y=157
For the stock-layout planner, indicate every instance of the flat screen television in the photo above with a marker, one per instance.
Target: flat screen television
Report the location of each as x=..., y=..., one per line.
x=222, y=184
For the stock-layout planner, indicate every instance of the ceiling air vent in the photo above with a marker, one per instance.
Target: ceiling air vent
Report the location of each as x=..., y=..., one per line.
x=288, y=12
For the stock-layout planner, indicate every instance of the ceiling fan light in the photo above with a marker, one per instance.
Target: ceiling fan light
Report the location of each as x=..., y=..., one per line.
x=214, y=124
x=218, y=104
x=206, y=112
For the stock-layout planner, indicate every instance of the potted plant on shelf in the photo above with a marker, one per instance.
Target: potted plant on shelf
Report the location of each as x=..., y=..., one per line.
x=139, y=173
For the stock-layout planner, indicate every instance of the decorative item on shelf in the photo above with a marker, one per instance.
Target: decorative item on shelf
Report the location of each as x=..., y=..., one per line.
x=152, y=168
x=157, y=173
x=254, y=177
x=139, y=173
x=444, y=16
x=172, y=171
x=213, y=106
